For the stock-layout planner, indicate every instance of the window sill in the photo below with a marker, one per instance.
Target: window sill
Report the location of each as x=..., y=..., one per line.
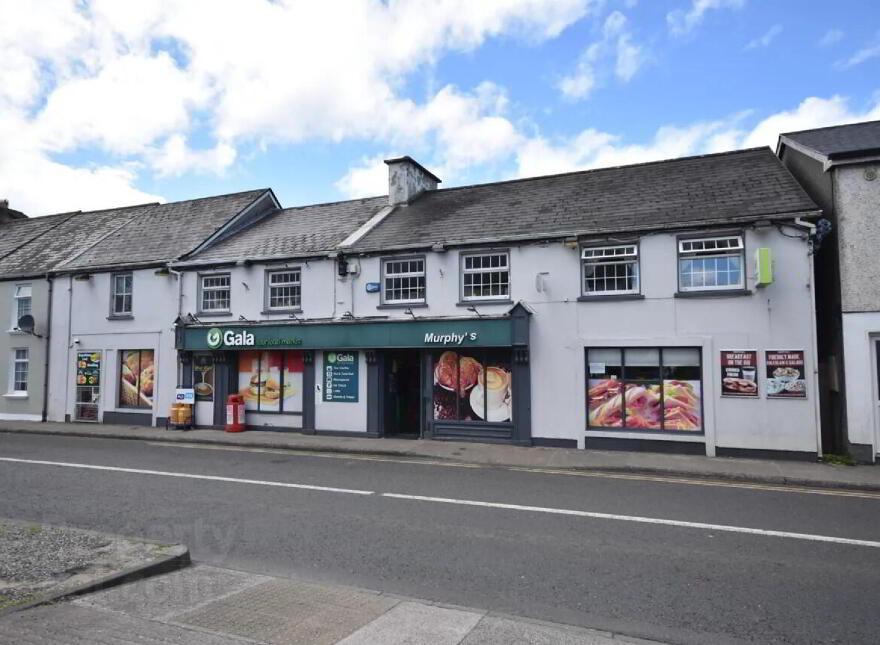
x=490, y=301
x=16, y=332
x=605, y=298
x=120, y=317
x=16, y=395
x=405, y=305
x=720, y=293
x=269, y=312
x=212, y=314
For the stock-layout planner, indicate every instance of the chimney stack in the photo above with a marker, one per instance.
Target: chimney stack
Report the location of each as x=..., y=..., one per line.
x=407, y=179
x=8, y=214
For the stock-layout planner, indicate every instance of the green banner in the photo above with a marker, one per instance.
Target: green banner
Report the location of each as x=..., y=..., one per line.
x=494, y=332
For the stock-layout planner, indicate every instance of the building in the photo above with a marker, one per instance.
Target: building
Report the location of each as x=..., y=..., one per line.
x=838, y=166
x=524, y=311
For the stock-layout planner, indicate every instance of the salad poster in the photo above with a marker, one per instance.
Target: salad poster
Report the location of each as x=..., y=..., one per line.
x=786, y=374
x=739, y=372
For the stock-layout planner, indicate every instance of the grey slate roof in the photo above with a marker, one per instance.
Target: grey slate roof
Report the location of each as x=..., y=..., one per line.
x=292, y=232
x=725, y=187
x=839, y=140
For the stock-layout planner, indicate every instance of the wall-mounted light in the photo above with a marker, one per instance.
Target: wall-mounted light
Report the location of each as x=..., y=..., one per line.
x=539, y=281
x=410, y=312
x=82, y=277
x=570, y=243
x=162, y=271
x=438, y=248
x=474, y=309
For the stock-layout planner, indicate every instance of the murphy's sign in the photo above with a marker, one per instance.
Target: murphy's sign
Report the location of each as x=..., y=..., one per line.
x=486, y=332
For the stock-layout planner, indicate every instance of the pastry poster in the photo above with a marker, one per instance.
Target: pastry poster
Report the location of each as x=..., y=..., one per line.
x=473, y=387
x=786, y=374
x=739, y=372
x=136, y=382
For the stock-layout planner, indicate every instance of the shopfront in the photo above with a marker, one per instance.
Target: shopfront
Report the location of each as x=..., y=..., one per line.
x=444, y=378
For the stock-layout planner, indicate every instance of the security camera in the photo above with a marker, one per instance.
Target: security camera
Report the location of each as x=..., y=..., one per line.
x=76, y=341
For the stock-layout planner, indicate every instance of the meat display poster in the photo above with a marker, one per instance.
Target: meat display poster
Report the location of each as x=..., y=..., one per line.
x=786, y=374
x=739, y=372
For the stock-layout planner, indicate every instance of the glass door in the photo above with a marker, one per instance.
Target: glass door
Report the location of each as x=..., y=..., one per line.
x=88, y=386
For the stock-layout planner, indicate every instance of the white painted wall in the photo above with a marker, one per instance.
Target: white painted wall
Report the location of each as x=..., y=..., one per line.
x=17, y=407
x=860, y=330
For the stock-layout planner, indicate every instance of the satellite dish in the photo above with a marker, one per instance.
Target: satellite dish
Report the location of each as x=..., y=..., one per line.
x=26, y=324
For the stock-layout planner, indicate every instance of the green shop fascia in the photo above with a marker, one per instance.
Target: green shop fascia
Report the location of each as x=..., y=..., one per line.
x=487, y=356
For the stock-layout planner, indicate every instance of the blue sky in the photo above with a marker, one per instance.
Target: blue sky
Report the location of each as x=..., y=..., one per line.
x=108, y=103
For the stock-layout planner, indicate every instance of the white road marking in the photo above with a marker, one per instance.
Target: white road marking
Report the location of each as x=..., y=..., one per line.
x=642, y=520
x=234, y=480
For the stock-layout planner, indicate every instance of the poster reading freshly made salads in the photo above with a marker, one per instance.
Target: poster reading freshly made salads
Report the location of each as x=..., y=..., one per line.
x=786, y=374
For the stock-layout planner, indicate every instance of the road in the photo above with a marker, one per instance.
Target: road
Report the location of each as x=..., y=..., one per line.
x=583, y=550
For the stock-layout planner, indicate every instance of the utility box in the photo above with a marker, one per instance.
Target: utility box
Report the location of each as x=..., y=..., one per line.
x=763, y=267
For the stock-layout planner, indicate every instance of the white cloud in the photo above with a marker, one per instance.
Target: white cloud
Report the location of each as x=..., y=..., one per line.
x=681, y=22
x=136, y=81
x=581, y=82
x=630, y=58
x=831, y=36
x=765, y=40
x=367, y=179
x=864, y=54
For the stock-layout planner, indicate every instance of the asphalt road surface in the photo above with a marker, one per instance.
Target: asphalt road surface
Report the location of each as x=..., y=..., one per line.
x=648, y=557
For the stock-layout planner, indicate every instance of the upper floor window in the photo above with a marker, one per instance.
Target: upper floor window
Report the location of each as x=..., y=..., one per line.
x=711, y=263
x=610, y=270
x=19, y=380
x=120, y=298
x=284, y=289
x=404, y=281
x=485, y=276
x=215, y=293
x=22, y=303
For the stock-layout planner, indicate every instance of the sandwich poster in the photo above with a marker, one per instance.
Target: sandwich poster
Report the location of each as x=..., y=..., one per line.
x=786, y=374
x=271, y=381
x=739, y=373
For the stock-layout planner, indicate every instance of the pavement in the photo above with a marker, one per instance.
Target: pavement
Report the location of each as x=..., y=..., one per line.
x=864, y=477
x=205, y=605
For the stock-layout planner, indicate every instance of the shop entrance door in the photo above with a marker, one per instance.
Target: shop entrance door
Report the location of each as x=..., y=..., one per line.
x=88, y=386
x=403, y=390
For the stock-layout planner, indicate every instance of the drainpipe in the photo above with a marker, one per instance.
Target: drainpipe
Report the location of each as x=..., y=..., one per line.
x=812, y=229
x=67, y=378
x=48, y=349
x=179, y=276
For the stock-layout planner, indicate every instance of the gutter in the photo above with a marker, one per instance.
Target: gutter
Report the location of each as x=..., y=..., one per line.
x=45, y=414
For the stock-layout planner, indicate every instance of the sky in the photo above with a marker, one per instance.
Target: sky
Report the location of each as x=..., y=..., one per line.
x=107, y=103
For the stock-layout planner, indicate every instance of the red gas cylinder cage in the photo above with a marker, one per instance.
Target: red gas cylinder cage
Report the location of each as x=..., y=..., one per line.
x=235, y=413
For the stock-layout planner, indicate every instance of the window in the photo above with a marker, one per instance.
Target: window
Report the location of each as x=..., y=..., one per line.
x=644, y=388
x=404, y=281
x=485, y=276
x=19, y=380
x=120, y=298
x=271, y=381
x=284, y=289
x=711, y=263
x=215, y=293
x=22, y=304
x=611, y=270
x=474, y=385
x=136, y=378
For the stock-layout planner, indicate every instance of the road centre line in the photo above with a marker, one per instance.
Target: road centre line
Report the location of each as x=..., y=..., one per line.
x=641, y=520
x=162, y=473
x=665, y=479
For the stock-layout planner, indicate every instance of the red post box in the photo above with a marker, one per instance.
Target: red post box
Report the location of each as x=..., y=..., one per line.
x=235, y=413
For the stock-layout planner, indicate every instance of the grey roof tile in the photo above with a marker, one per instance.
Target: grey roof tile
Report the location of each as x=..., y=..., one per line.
x=292, y=232
x=840, y=140
x=680, y=192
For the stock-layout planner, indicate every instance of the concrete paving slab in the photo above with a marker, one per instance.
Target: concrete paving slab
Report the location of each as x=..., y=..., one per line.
x=290, y=612
x=71, y=624
x=174, y=593
x=497, y=630
x=413, y=623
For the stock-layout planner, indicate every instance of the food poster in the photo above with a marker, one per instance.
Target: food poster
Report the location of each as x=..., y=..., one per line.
x=203, y=378
x=786, y=374
x=249, y=379
x=604, y=388
x=491, y=398
x=136, y=380
x=682, y=389
x=88, y=368
x=270, y=382
x=293, y=382
x=739, y=372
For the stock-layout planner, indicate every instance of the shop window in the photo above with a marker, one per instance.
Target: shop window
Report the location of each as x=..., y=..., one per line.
x=271, y=381
x=21, y=303
x=644, y=388
x=473, y=386
x=120, y=298
x=284, y=289
x=485, y=276
x=404, y=281
x=610, y=270
x=136, y=377
x=711, y=263
x=19, y=371
x=214, y=295
x=203, y=377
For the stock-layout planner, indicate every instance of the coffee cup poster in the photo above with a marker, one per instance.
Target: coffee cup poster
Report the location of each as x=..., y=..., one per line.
x=739, y=373
x=473, y=387
x=786, y=375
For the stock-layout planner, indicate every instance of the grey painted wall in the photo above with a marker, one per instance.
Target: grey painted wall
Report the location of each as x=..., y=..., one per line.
x=29, y=407
x=857, y=203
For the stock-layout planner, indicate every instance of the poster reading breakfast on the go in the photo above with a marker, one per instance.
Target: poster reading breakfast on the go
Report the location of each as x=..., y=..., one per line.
x=786, y=375
x=739, y=372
